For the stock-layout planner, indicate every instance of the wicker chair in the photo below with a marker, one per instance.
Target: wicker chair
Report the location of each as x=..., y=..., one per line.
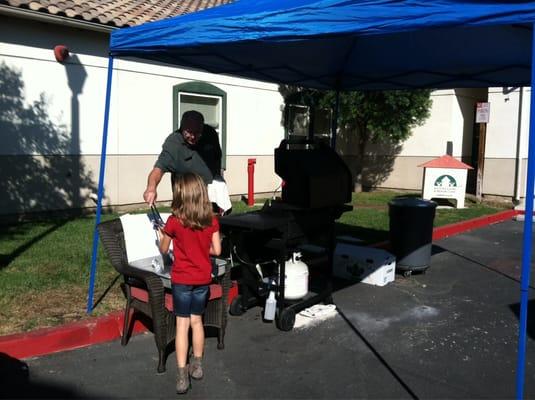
x=145, y=292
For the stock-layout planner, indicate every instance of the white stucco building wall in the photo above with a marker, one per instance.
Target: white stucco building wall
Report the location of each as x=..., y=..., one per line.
x=506, y=147
x=141, y=117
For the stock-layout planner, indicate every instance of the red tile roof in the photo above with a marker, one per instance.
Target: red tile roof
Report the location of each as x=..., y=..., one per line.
x=115, y=13
x=445, y=161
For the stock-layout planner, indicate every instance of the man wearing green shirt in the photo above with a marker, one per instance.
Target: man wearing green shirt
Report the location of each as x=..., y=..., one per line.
x=194, y=147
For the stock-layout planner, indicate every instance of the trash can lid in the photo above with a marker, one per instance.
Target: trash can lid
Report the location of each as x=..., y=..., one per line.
x=411, y=202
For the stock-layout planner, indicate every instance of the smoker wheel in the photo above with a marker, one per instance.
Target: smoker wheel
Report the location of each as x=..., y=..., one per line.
x=407, y=273
x=286, y=319
x=236, y=307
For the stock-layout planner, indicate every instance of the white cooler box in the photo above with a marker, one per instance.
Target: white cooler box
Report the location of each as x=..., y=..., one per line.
x=366, y=264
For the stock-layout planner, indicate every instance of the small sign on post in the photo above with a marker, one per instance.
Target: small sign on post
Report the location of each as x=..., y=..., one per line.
x=482, y=118
x=482, y=113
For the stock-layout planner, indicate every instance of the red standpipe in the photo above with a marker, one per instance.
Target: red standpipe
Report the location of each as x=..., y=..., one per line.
x=250, y=187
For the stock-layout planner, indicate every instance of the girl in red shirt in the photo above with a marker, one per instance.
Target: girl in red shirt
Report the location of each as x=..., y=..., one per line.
x=195, y=234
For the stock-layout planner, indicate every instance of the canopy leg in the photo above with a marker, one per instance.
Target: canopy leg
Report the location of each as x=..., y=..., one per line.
x=100, y=187
x=334, y=122
x=526, y=245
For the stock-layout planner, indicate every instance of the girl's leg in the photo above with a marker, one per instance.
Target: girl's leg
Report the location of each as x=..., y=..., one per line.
x=181, y=341
x=181, y=346
x=182, y=296
x=198, y=305
x=197, y=330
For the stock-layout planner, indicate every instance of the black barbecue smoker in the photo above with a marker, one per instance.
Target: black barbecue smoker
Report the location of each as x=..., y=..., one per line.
x=317, y=186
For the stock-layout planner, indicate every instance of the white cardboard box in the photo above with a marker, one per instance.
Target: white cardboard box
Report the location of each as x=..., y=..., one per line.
x=366, y=264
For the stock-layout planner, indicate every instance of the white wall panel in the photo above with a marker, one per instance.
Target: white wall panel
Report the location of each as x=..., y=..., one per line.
x=503, y=125
x=254, y=121
x=430, y=138
x=501, y=132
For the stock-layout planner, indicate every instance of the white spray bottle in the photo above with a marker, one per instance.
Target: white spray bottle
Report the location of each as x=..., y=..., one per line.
x=271, y=306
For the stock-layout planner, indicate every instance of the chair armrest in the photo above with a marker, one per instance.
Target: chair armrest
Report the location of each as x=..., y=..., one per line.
x=226, y=283
x=224, y=280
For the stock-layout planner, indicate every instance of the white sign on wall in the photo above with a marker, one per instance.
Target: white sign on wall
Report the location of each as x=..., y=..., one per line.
x=482, y=113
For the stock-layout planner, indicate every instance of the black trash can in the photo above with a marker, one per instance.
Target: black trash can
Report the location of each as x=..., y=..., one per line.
x=411, y=233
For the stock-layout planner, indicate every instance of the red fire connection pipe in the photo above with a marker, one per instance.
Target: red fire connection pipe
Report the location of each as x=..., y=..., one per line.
x=250, y=187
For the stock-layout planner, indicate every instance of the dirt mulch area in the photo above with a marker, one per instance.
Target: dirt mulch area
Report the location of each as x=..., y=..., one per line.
x=53, y=307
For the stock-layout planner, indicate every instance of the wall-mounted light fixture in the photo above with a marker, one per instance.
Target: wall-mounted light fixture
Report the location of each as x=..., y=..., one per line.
x=61, y=52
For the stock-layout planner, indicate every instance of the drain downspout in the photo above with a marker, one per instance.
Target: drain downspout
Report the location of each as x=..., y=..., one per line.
x=518, y=164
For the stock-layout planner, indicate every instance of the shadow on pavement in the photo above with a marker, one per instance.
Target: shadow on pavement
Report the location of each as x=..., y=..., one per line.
x=515, y=308
x=15, y=382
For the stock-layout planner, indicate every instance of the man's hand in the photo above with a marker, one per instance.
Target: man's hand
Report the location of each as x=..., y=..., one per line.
x=150, y=196
x=153, y=180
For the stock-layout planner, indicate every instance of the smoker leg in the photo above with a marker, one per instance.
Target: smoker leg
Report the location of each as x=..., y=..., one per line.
x=236, y=307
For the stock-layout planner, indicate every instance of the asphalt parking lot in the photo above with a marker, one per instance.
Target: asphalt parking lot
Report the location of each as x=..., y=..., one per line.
x=449, y=333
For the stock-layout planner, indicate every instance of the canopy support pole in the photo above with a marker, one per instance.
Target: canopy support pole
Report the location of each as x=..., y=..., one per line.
x=526, y=245
x=334, y=122
x=100, y=186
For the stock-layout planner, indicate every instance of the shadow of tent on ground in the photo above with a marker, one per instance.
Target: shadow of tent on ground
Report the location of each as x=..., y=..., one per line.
x=515, y=308
x=16, y=383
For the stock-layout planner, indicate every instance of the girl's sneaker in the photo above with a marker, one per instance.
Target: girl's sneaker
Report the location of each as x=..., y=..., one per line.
x=195, y=368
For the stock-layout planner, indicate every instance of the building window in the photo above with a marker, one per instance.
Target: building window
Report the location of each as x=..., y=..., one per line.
x=208, y=106
x=207, y=99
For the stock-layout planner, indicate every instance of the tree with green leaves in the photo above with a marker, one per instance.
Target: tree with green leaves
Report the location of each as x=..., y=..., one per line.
x=374, y=117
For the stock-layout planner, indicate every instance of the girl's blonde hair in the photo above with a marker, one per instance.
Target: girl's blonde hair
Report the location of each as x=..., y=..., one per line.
x=190, y=201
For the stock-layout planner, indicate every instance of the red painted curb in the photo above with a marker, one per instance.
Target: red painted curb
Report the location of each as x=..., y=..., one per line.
x=104, y=329
x=74, y=335
x=442, y=232
x=67, y=337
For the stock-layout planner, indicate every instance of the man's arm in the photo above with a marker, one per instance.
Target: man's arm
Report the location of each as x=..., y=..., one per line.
x=153, y=180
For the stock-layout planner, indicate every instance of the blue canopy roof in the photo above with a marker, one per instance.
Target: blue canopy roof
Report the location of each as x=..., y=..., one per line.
x=347, y=44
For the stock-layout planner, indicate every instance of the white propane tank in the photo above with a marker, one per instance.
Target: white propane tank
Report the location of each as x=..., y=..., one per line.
x=296, y=278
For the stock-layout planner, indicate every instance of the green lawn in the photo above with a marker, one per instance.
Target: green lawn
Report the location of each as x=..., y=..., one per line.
x=44, y=266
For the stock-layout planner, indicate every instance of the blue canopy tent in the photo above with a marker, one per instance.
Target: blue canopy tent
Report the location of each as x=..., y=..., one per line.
x=351, y=45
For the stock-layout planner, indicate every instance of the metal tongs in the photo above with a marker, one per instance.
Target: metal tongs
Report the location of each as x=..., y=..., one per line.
x=156, y=218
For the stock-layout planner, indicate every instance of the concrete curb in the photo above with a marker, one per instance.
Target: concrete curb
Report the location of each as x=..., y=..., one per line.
x=104, y=329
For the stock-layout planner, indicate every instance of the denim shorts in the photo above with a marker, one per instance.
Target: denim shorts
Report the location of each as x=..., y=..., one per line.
x=189, y=299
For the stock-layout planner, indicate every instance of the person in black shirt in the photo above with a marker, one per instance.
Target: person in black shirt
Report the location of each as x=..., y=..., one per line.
x=194, y=147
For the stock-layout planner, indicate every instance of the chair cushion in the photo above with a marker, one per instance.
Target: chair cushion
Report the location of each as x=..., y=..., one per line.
x=216, y=292
x=140, y=294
